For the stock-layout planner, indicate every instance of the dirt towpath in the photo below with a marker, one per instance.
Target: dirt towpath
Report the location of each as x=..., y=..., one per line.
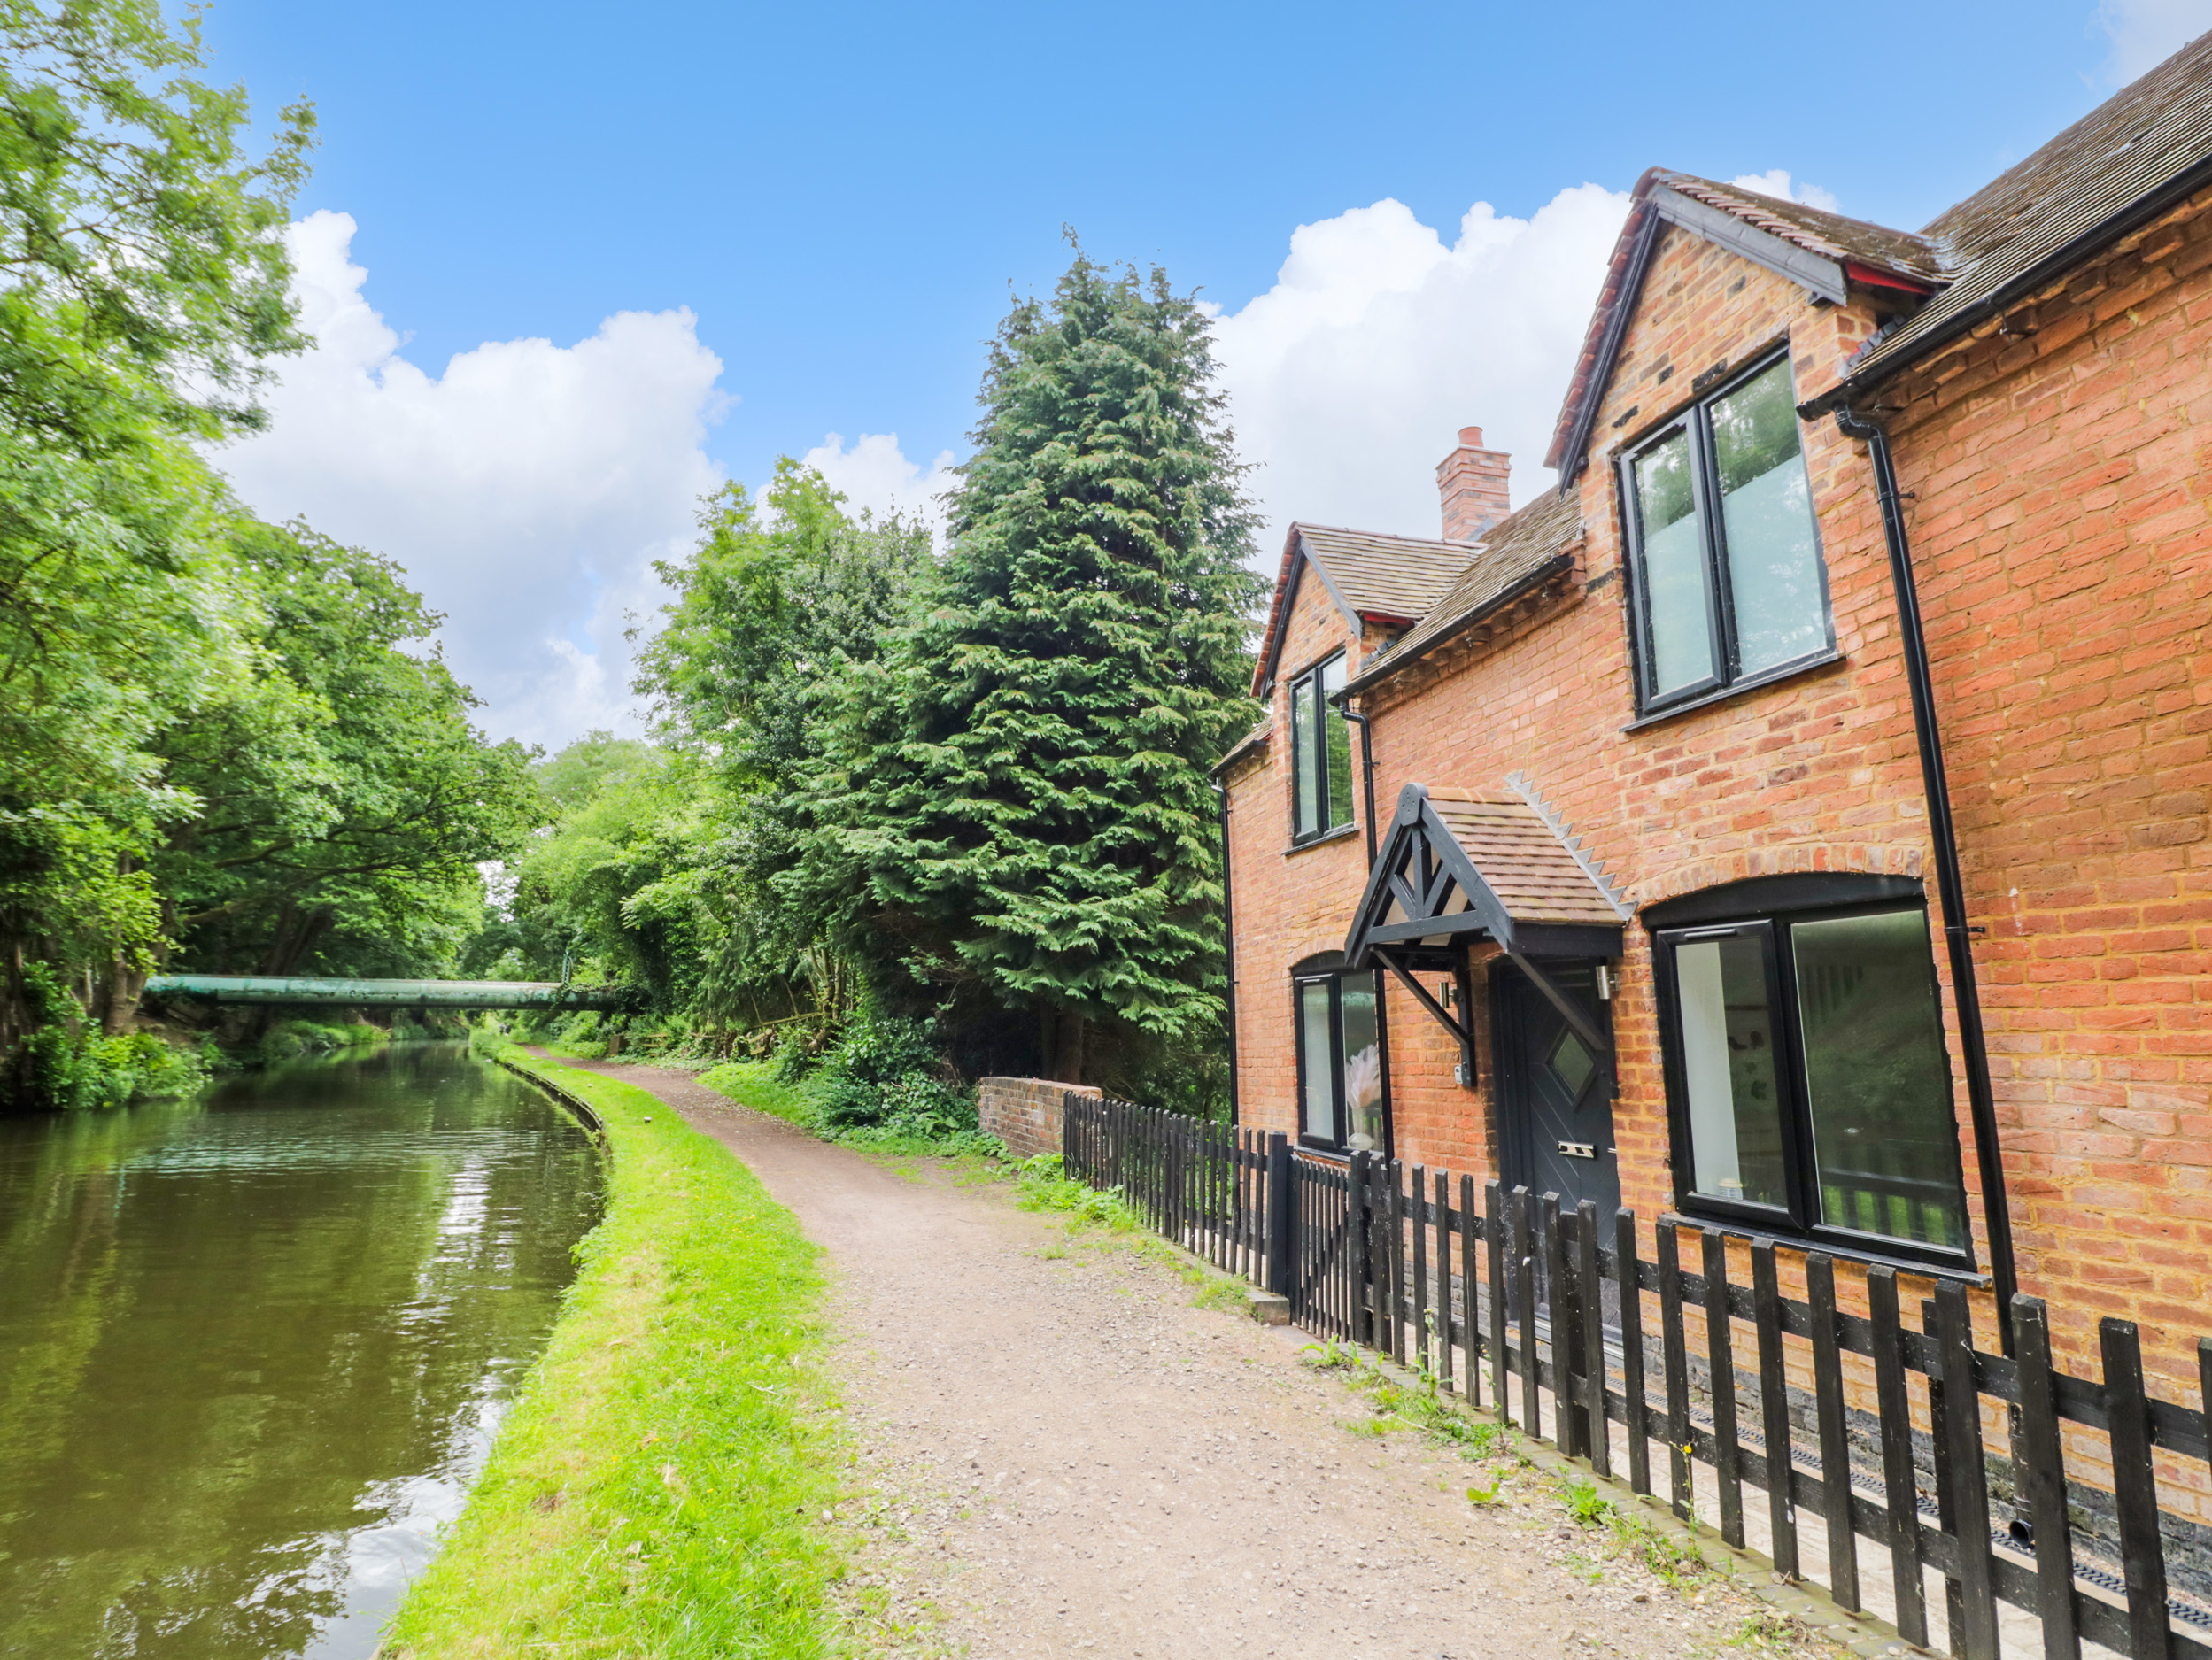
x=1076, y=1461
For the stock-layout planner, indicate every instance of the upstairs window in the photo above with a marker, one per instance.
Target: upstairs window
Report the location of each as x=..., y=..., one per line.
x=1729, y=585
x=1809, y=1080
x=1321, y=753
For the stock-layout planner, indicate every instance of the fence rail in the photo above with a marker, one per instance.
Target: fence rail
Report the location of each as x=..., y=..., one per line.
x=1855, y=1427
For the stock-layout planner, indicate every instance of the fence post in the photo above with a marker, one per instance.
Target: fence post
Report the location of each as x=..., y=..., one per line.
x=2044, y=1480
x=1597, y=1429
x=1283, y=1220
x=1969, y=1481
x=1566, y=1332
x=2142, y=1557
x=1357, y=1191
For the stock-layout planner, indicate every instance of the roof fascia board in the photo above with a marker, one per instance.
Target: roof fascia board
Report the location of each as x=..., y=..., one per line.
x=1289, y=601
x=1306, y=556
x=1576, y=454
x=1485, y=912
x=1824, y=277
x=1557, y=564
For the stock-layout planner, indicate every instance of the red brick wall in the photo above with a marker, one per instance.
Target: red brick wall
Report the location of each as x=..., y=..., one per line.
x=2061, y=532
x=1026, y=1113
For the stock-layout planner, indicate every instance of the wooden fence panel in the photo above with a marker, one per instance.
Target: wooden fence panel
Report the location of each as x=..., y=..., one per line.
x=1373, y=1252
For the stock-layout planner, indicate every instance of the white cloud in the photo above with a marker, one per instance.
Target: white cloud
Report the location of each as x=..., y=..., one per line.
x=2145, y=33
x=1350, y=377
x=875, y=473
x=526, y=491
x=1776, y=182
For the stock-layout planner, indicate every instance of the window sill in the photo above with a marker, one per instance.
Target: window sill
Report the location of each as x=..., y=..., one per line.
x=1903, y=1263
x=1332, y=1155
x=1741, y=689
x=1326, y=838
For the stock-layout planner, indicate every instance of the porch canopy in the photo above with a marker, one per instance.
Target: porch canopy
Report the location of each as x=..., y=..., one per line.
x=1456, y=868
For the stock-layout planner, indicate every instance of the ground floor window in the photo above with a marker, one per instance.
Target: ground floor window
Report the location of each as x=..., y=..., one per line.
x=1340, y=1097
x=1809, y=1083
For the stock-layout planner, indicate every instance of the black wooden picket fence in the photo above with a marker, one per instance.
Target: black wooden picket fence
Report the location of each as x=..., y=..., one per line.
x=1396, y=1259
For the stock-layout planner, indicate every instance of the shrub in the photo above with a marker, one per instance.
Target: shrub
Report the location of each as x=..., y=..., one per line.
x=66, y=1063
x=883, y=1062
x=794, y=1056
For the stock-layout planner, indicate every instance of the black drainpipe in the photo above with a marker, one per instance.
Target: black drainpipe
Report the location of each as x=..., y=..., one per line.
x=1366, y=766
x=1229, y=943
x=1950, y=884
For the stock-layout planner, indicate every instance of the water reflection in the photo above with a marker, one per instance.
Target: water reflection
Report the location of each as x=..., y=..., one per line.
x=253, y=1347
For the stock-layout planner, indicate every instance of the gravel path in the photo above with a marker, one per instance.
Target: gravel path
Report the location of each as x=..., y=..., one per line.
x=1064, y=1456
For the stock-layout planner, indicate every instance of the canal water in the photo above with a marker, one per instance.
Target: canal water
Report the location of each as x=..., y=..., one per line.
x=253, y=1346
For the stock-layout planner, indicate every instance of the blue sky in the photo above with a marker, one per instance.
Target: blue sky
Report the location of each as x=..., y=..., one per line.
x=839, y=200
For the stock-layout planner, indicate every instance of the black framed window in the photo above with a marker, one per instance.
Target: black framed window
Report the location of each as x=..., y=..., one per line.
x=1729, y=583
x=1808, y=1080
x=1320, y=751
x=1341, y=1101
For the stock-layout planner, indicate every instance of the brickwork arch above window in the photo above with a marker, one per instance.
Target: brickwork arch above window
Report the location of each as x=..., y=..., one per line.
x=1871, y=858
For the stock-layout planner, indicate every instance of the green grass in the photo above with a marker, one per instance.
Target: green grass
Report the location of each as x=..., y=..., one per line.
x=665, y=1487
x=753, y=1084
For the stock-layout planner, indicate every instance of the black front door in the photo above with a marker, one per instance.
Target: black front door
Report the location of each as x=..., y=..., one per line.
x=1554, y=1094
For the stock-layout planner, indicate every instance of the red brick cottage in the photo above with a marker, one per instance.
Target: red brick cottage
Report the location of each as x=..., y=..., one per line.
x=1715, y=871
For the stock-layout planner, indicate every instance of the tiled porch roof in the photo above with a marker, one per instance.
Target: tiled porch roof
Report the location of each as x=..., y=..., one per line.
x=1530, y=870
x=1459, y=865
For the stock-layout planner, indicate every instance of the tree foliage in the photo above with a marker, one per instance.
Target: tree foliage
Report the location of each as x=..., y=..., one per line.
x=1026, y=801
x=216, y=735
x=967, y=797
x=344, y=800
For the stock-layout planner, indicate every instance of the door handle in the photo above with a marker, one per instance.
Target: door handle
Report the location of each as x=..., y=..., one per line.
x=1578, y=1149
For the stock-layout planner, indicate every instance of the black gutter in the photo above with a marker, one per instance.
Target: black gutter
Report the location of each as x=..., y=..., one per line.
x=2136, y=214
x=1229, y=943
x=1388, y=665
x=1949, y=883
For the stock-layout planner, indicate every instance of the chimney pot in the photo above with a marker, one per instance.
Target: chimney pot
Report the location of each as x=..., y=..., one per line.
x=1471, y=483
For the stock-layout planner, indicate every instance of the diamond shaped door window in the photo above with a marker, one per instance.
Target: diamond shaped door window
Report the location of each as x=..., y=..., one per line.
x=1572, y=1062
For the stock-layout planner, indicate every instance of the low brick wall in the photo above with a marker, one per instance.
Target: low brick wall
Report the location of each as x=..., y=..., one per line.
x=1023, y=1112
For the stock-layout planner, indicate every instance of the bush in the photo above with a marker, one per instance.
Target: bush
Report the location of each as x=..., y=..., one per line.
x=794, y=1056
x=880, y=1054
x=66, y=1063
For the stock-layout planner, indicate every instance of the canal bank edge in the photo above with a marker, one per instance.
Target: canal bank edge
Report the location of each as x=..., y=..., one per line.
x=667, y=1480
x=567, y=1098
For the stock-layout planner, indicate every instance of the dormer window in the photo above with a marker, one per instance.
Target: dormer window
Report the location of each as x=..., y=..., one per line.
x=1729, y=585
x=1321, y=753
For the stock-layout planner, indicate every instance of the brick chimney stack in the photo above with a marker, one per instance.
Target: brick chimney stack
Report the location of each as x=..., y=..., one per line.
x=1472, y=481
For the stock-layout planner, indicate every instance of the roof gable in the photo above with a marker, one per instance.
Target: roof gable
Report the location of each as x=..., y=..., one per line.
x=1370, y=577
x=1825, y=253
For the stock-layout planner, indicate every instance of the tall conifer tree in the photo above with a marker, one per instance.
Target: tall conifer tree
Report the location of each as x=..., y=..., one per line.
x=1027, y=802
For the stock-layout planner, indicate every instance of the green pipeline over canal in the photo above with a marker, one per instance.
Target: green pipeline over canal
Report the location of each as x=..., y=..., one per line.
x=253, y=1346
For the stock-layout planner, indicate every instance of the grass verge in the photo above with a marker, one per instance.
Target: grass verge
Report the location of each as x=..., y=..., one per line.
x=665, y=1485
